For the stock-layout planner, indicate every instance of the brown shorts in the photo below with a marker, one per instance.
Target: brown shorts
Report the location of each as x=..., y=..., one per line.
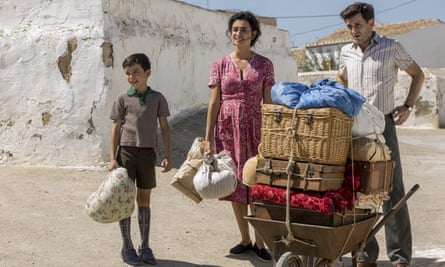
x=140, y=164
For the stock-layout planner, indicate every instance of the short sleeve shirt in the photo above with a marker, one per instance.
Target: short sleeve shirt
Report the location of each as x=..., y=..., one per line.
x=140, y=122
x=373, y=72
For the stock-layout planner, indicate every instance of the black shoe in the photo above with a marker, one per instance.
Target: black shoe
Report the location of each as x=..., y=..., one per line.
x=239, y=249
x=146, y=255
x=130, y=257
x=262, y=253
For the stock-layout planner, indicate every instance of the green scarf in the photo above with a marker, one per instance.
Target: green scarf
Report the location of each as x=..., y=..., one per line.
x=142, y=96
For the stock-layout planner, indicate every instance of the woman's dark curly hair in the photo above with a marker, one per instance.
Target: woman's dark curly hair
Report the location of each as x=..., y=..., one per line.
x=249, y=17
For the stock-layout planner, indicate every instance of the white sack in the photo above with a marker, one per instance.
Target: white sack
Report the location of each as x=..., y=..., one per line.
x=369, y=123
x=216, y=177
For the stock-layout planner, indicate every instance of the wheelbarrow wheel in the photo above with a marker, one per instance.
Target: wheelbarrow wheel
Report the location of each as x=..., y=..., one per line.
x=289, y=259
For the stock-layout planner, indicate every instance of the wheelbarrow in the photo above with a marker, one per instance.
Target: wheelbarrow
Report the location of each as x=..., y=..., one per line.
x=308, y=245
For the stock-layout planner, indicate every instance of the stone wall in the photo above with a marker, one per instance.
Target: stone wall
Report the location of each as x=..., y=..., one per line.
x=60, y=69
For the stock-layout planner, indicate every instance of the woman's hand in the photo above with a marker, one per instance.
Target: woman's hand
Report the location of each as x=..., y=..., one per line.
x=207, y=147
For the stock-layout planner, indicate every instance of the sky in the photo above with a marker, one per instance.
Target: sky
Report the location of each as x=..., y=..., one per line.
x=310, y=20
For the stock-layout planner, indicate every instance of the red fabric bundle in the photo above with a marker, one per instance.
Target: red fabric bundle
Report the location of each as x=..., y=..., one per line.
x=311, y=201
x=325, y=202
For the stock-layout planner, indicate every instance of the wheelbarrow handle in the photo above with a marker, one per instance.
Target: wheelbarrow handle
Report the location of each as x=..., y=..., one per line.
x=393, y=210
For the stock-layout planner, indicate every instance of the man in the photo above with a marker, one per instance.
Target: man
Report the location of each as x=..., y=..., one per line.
x=370, y=65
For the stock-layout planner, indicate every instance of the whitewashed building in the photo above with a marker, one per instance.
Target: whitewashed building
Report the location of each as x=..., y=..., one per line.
x=415, y=36
x=60, y=69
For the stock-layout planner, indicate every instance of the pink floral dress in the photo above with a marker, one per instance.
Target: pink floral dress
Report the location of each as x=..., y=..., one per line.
x=238, y=127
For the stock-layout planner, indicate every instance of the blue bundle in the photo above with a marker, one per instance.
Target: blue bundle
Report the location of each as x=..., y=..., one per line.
x=287, y=93
x=326, y=93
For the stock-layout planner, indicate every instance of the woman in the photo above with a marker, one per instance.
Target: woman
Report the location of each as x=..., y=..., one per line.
x=239, y=83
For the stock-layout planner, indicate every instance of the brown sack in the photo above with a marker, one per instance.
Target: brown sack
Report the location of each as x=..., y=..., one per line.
x=365, y=149
x=183, y=179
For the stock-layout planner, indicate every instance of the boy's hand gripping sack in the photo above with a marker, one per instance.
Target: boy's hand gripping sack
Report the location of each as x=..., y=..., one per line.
x=114, y=200
x=216, y=177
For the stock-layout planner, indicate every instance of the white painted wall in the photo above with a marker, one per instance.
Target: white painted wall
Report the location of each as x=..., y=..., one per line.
x=47, y=120
x=427, y=53
x=426, y=46
x=33, y=35
x=439, y=81
x=429, y=110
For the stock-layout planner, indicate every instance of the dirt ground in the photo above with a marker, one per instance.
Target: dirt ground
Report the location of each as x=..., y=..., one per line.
x=43, y=221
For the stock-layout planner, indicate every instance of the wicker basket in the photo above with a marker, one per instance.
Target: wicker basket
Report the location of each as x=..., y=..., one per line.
x=319, y=135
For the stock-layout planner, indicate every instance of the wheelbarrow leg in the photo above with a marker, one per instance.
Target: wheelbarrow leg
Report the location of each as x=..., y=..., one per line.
x=354, y=258
x=382, y=222
x=391, y=212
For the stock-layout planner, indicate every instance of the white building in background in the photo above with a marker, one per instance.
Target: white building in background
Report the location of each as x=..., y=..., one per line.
x=415, y=36
x=60, y=69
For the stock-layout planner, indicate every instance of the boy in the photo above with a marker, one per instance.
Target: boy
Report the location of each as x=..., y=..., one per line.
x=137, y=111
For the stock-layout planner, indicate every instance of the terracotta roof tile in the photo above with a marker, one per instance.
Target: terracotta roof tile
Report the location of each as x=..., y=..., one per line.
x=390, y=30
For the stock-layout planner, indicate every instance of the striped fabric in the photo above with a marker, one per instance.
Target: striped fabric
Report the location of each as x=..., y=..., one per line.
x=373, y=72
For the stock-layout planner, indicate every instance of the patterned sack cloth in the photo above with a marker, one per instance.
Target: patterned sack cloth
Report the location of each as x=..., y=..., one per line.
x=114, y=200
x=371, y=201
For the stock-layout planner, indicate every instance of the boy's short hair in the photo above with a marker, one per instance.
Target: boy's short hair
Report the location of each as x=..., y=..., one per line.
x=138, y=58
x=367, y=11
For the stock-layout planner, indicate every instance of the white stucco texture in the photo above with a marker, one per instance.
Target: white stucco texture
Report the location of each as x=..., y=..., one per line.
x=60, y=69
